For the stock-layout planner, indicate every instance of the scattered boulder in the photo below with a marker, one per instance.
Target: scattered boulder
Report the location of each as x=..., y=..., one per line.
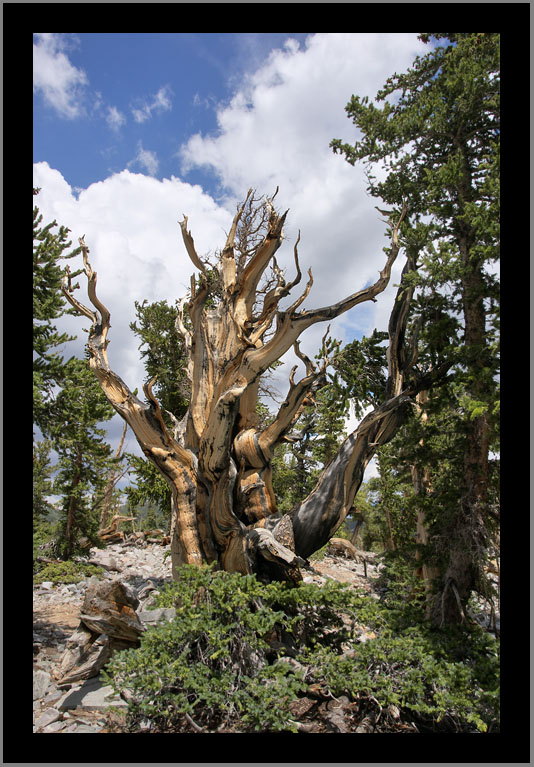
x=86, y=654
x=108, y=622
x=55, y=726
x=109, y=608
x=107, y=614
x=49, y=716
x=107, y=562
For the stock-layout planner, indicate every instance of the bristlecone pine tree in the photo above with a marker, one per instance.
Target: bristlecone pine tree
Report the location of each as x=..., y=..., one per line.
x=217, y=460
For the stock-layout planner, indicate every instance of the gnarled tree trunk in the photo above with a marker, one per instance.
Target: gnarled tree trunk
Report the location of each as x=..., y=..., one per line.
x=217, y=461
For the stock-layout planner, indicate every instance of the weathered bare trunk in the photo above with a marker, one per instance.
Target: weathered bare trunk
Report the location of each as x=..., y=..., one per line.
x=422, y=488
x=217, y=461
x=390, y=542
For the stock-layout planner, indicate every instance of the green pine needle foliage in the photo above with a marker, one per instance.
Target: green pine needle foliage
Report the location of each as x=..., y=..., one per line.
x=214, y=663
x=66, y=572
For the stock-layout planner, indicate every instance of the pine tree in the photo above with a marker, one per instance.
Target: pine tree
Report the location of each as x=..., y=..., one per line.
x=42, y=490
x=42, y=485
x=437, y=140
x=68, y=405
x=84, y=457
x=48, y=305
x=162, y=350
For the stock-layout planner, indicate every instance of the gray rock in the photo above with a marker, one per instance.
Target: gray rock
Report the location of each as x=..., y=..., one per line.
x=53, y=697
x=158, y=615
x=145, y=590
x=93, y=695
x=55, y=727
x=81, y=728
x=106, y=561
x=47, y=585
x=41, y=680
x=50, y=715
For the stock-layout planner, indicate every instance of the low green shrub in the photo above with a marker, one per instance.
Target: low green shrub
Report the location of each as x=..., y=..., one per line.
x=210, y=663
x=215, y=665
x=414, y=672
x=66, y=572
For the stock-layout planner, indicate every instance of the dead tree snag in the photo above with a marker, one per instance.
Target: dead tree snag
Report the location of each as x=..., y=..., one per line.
x=217, y=461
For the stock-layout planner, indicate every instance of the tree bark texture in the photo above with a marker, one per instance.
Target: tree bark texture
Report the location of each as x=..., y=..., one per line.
x=217, y=460
x=422, y=488
x=467, y=534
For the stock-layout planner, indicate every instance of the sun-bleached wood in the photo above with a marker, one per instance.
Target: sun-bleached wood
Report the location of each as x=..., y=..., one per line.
x=217, y=460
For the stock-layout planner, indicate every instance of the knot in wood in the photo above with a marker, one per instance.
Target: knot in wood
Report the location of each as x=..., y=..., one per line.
x=248, y=450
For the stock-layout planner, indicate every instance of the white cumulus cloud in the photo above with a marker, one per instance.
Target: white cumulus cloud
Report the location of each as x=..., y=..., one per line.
x=61, y=84
x=276, y=131
x=131, y=226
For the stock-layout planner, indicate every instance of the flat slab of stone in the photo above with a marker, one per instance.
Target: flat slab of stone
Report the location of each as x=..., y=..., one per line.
x=158, y=615
x=49, y=716
x=93, y=695
x=55, y=727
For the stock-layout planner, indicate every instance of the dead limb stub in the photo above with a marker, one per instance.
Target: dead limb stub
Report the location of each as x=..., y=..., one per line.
x=216, y=459
x=111, y=533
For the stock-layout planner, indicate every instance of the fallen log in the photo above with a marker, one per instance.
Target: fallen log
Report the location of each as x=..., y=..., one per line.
x=112, y=530
x=112, y=537
x=342, y=546
x=86, y=654
x=346, y=548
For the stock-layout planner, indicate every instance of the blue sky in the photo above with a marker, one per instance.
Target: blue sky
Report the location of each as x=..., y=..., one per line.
x=136, y=98
x=131, y=131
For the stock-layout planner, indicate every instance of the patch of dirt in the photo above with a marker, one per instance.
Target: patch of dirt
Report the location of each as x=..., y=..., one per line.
x=65, y=616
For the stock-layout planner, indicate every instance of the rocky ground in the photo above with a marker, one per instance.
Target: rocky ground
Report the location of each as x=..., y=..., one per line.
x=82, y=707
x=56, y=609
